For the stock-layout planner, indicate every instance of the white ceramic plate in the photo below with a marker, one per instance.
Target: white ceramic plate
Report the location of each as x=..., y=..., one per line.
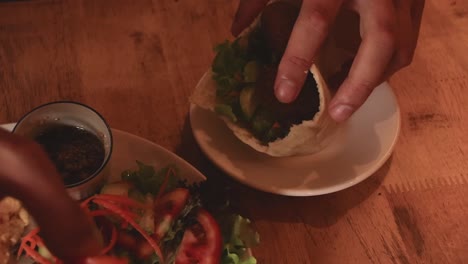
x=365, y=143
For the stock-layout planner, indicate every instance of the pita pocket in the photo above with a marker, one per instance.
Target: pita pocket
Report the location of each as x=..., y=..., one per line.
x=239, y=89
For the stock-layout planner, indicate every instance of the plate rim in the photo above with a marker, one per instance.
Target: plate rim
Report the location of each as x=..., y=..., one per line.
x=170, y=153
x=315, y=192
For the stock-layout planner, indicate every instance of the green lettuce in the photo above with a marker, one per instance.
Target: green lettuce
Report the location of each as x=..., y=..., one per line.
x=227, y=111
x=239, y=235
x=149, y=181
x=227, y=67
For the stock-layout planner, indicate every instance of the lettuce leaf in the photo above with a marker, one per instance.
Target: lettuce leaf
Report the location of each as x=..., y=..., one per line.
x=227, y=111
x=147, y=180
x=230, y=58
x=239, y=235
x=237, y=231
x=227, y=67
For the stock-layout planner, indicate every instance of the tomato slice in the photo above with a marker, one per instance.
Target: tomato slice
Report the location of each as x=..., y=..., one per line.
x=202, y=242
x=127, y=241
x=102, y=260
x=144, y=250
x=167, y=208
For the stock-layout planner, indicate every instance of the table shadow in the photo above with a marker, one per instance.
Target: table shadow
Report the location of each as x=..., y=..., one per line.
x=317, y=211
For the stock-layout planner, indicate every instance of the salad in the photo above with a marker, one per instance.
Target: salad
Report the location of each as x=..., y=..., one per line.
x=152, y=217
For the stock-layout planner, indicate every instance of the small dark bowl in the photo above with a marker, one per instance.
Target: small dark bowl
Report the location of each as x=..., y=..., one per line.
x=78, y=115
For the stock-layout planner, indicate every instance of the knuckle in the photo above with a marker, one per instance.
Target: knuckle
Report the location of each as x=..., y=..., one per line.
x=27, y=147
x=386, y=31
x=361, y=87
x=19, y=146
x=403, y=59
x=318, y=18
x=299, y=62
x=11, y=143
x=387, y=38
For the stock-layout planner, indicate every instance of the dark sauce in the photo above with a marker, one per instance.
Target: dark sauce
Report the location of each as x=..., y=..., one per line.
x=76, y=153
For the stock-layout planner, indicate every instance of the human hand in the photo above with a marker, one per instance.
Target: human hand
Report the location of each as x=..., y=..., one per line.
x=389, y=31
x=27, y=174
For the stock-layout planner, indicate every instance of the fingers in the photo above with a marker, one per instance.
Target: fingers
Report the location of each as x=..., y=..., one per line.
x=417, y=9
x=416, y=13
x=408, y=31
x=378, y=23
x=27, y=174
x=246, y=13
x=310, y=30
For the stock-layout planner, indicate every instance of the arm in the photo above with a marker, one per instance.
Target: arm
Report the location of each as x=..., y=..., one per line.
x=27, y=174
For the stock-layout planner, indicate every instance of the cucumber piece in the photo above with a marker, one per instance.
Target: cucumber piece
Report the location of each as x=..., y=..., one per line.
x=274, y=133
x=44, y=252
x=261, y=123
x=146, y=221
x=118, y=188
x=226, y=110
x=247, y=102
x=260, y=127
x=251, y=72
x=136, y=195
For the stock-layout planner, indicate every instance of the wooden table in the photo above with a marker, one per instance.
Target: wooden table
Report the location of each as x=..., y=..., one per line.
x=138, y=61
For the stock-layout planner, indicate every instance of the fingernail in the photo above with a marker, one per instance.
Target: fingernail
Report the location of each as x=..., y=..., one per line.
x=286, y=91
x=341, y=112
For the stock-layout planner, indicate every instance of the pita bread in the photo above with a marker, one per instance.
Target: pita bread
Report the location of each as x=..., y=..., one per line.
x=308, y=137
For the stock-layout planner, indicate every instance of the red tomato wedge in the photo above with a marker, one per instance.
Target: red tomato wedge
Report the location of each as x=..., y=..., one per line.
x=144, y=250
x=127, y=241
x=167, y=208
x=202, y=242
x=102, y=260
x=140, y=247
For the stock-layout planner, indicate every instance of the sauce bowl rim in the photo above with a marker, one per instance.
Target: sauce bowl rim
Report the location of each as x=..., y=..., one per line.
x=108, y=128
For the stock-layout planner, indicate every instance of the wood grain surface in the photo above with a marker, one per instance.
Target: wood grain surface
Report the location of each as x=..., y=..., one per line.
x=137, y=62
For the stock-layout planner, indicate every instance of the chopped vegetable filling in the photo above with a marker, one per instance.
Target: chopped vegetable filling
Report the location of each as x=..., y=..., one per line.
x=245, y=72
